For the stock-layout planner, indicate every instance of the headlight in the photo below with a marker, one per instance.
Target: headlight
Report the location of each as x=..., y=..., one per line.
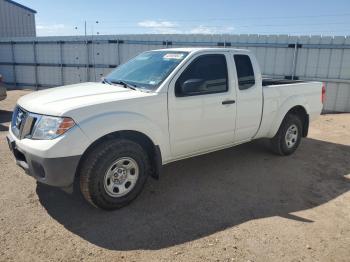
x=50, y=127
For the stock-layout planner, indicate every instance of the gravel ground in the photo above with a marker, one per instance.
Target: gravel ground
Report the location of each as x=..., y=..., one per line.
x=240, y=204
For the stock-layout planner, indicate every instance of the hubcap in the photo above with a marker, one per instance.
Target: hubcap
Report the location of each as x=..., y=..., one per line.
x=291, y=136
x=121, y=177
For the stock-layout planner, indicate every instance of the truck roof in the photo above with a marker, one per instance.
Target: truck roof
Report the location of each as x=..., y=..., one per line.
x=201, y=49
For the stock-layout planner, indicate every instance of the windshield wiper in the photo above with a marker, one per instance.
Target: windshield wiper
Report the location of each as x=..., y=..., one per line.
x=124, y=84
x=105, y=81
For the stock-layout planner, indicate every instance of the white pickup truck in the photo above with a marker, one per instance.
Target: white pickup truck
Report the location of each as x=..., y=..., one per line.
x=159, y=107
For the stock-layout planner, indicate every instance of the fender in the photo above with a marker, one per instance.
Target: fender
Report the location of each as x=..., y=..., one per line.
x=99, y=125
x=287, y=105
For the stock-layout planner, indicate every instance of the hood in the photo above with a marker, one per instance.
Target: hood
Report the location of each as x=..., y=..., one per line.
x=59, y=100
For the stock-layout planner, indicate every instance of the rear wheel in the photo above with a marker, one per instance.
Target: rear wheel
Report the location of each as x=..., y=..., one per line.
x=288, y=137
x=114, y=173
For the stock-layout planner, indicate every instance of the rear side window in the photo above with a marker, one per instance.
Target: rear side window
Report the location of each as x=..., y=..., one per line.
x=245, y=72
x=207, y=74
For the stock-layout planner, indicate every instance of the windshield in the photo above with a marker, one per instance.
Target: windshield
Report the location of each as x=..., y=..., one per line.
x=147, y=70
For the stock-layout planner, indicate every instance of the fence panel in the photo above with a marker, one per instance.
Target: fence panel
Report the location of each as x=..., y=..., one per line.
x=41, y=62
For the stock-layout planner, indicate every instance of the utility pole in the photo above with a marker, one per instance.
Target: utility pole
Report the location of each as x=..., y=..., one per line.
x=87, y=54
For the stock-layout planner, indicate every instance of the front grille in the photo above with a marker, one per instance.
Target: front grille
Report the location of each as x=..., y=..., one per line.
x=18, y=121
x=22, y=123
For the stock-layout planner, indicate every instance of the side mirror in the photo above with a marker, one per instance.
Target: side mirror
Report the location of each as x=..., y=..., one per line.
x=191, y=86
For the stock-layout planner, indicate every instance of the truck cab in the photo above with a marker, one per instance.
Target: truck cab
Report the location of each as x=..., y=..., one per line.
x=213, y=103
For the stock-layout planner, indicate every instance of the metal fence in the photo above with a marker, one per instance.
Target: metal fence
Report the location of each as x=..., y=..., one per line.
x=42, y=62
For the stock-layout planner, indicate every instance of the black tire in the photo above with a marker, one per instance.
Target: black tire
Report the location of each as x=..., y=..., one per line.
x=96, y=164
x=278, y=142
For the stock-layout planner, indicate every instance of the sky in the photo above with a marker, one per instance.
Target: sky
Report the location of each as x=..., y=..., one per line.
x=297, y=17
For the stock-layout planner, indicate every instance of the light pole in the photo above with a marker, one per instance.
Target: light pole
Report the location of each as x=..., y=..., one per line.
x=93, y=49
x=77, y=57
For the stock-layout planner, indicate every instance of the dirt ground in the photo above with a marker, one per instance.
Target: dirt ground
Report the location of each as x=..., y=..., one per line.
x=240, y=204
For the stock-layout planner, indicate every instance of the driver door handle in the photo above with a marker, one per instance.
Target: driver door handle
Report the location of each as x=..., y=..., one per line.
x=227, y=102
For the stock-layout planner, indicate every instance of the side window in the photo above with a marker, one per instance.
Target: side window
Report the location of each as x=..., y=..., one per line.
x=245, y=72
x=207, y=74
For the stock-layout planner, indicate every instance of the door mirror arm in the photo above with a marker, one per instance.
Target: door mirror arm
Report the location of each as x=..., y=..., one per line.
x=191, y=86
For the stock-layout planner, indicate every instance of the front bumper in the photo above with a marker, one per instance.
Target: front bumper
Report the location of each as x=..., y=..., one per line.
x=59, y=172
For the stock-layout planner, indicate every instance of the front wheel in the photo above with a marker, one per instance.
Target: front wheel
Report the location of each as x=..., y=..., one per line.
x=114, y=173
x=288, y=137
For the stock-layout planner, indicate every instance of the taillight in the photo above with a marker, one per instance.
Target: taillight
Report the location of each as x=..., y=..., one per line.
x=323, y=96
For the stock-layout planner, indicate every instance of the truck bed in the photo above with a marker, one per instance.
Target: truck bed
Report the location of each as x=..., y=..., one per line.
x=280, y=95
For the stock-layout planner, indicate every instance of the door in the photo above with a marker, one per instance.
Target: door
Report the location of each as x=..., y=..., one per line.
x=249, y=96
x=201, y=104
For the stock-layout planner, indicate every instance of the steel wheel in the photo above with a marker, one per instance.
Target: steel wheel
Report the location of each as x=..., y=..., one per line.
x=121, y=177
x=291, y=136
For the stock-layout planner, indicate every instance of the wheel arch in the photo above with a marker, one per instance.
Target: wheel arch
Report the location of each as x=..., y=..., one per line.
x=153, y=151
x=299, y=110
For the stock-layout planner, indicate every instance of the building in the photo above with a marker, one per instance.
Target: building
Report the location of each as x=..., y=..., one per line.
x=16, y=19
